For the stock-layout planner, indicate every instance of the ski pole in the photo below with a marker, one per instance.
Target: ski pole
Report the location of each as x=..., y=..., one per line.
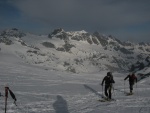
x=102, y=89
x=6, y=96
x=124, y=86
x=136, y=88
x=113, y=90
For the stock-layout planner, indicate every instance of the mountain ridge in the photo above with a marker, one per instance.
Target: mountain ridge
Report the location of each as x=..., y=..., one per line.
x=73, y=51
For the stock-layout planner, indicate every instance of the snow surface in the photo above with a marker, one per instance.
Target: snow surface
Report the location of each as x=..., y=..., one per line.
x=41, y=90
x=47, y=88
x=72, y=51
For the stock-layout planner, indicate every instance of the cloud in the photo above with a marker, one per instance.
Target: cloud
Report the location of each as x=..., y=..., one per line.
x=88, y=13
x=91, y=15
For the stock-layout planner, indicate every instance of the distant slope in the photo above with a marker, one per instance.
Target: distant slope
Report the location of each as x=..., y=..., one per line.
x=74, y=51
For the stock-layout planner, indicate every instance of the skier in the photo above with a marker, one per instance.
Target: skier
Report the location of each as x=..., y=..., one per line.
x=108, y=84
x=132, y=80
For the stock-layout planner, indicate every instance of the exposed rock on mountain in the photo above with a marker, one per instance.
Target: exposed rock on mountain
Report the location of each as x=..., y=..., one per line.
x=75, y=51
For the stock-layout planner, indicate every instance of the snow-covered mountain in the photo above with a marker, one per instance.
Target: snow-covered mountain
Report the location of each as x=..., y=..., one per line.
x=40, y=89
x=75, y=51
x=47, y=91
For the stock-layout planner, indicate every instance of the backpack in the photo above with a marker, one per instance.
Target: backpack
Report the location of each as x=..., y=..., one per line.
x=133, y=77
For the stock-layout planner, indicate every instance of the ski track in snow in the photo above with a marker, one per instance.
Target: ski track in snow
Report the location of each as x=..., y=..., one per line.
x=44, y=91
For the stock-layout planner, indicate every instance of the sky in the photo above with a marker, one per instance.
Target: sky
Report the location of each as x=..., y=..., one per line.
x=124, y=19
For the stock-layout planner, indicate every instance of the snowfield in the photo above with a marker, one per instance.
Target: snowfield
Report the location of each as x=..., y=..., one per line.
x=42, y=90
x=38, y=70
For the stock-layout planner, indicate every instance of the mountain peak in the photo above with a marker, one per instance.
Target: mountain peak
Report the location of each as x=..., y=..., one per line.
x=14, y=32
x=57, y=31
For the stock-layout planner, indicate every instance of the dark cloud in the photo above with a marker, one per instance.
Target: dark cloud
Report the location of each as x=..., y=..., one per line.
x=106, y=16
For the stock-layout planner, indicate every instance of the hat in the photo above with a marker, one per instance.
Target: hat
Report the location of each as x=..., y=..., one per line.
x=109, y=74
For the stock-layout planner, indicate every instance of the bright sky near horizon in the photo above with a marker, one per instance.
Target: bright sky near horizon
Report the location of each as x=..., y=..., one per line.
x=124, y=19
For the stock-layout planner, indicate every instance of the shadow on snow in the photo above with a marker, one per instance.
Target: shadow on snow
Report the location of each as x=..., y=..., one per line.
x=93, y=90
x=60, y=105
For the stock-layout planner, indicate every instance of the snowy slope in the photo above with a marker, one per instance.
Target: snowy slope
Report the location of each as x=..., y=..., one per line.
x=34, y=67
x=74, y=51
x=39, y=90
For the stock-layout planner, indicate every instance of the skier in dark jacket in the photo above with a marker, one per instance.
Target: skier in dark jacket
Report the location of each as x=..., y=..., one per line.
x=132, y=80
x=108, y=79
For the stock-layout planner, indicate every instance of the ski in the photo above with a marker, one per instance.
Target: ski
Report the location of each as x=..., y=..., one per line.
x=106, y=100
x=128, y=94
x=102, y=100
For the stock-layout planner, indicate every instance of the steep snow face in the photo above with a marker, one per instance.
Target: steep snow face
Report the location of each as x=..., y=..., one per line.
x=75, y=51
